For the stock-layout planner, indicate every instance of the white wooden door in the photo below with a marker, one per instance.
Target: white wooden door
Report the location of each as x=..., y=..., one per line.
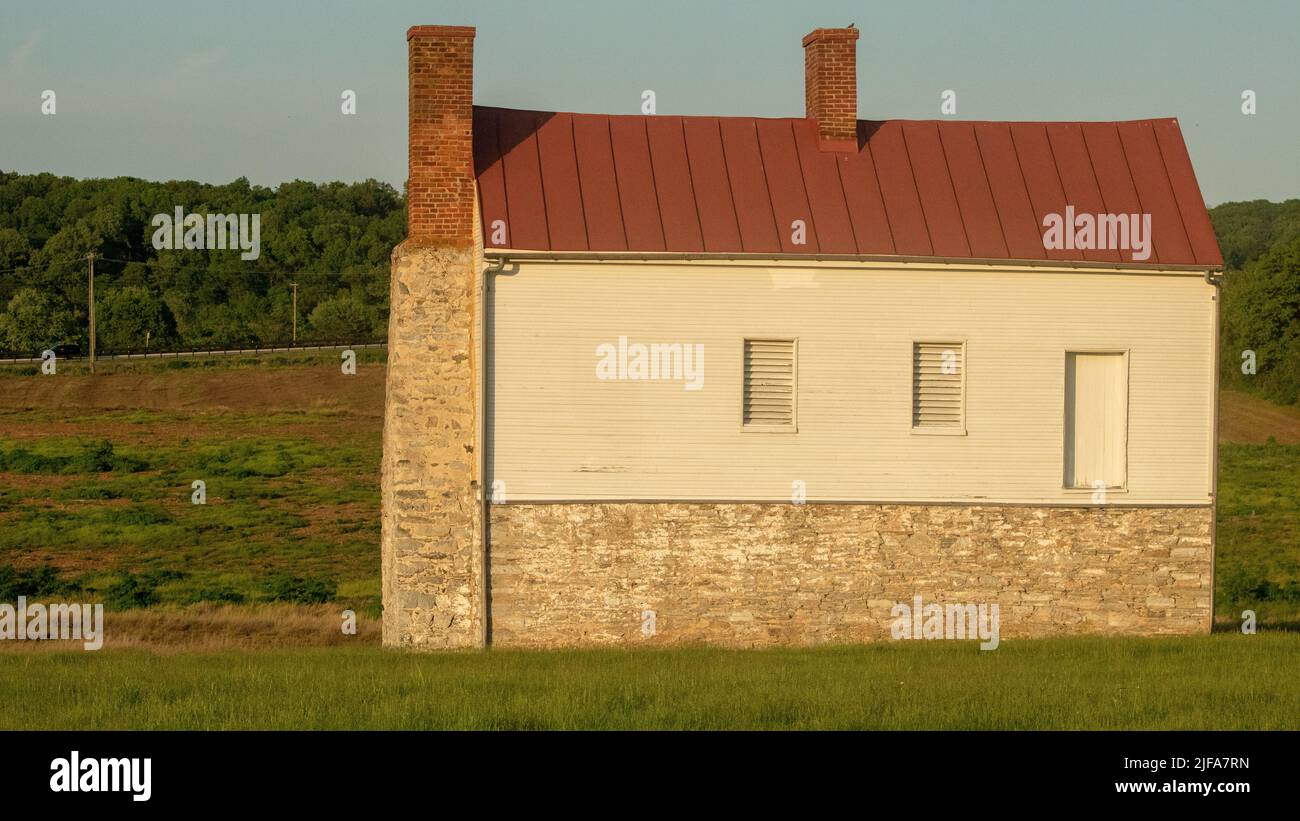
x=1096, y=419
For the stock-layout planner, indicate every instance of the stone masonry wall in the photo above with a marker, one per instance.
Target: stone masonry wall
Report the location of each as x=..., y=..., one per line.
x=762, y=574
x=432, y=566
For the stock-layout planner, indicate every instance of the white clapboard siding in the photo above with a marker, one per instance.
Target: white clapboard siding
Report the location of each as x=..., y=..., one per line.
x=937, y=392
x=558, y=431
x=769, y=392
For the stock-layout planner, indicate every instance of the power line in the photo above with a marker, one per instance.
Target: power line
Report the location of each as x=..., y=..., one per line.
x=81, y=258
x=155, y=262
x=192, y=269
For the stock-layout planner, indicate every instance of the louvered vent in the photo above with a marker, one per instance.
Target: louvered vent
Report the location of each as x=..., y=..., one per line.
x=769, y=383
x=937, y=384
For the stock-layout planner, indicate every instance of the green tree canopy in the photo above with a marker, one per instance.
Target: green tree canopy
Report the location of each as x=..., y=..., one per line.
x=35, y=320
x=344, y=317
x=1261, y=313
x=327, y=237
x=14, y=250
x=131, y=318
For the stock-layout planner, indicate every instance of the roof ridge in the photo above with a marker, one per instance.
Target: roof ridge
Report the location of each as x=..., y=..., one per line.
x=956, y=120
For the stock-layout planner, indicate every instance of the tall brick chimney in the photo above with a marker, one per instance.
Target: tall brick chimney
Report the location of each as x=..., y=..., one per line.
x=831, y=86
x=440, y=178
x=432, y=527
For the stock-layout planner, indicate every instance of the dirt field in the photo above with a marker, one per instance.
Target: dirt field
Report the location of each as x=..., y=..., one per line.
x=1251, y=420
x=281, y=389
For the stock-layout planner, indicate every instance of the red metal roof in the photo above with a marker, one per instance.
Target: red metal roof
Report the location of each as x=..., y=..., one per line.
x=914, y=188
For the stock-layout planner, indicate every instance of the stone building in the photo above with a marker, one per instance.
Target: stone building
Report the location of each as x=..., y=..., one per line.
x=751, y=381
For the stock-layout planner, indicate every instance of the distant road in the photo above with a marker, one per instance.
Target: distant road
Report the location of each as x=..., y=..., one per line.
x=215, y=352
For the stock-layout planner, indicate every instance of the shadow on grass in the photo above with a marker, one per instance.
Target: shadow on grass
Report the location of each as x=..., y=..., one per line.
x=1266, y=626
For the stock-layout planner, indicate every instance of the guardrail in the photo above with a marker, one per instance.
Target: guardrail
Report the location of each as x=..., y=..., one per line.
x=197, y=352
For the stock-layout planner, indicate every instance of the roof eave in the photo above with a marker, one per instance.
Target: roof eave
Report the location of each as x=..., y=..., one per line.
x=522, y=255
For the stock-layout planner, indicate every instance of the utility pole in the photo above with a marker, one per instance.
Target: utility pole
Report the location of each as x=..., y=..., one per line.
x=295, y=312
x=91, y=259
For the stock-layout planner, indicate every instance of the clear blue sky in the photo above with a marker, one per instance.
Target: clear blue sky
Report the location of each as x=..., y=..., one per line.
x=214, y=91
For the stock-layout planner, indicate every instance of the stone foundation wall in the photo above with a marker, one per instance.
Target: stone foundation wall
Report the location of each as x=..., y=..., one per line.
x=763, y=574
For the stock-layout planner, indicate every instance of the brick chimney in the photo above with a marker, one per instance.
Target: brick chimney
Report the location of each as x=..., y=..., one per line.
x=831, y=86
x=440, y=176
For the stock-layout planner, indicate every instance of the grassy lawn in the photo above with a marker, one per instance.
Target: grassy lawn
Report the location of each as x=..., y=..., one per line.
x=1221, y=681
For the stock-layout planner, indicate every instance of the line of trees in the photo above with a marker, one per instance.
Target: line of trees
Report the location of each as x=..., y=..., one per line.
x=1261, y=296
x=333, y=239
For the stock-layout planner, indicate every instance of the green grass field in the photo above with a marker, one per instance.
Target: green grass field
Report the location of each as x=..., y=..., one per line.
x=1212, y=682
x=225, y=614
x=1258, y=548
x=288, y=496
